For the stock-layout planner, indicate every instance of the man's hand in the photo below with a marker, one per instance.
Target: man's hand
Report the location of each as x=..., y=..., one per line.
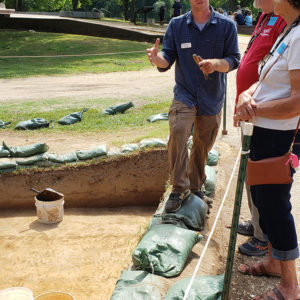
x=207, y=66
x=155, y=57
x=152, y=52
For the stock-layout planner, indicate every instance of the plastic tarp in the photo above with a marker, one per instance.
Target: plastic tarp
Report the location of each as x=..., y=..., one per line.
x=89, y=154
x=112, y=110
x=7, y=166
x=63, y=158
x=210, y=182
x=33, y=124
x=32, y=159
x=28, y=150
x=72, y=118
x=127, y=148
x=164, y=249
x=138, y=285
x=213, y=157
x=4, y=152
x=158, y=117
x=192, y=214
x=203, y=288
x=3, y=124
x=152, y=143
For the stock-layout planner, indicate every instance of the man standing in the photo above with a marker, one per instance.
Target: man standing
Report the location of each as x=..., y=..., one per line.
x=197, y=100
x=268, y=27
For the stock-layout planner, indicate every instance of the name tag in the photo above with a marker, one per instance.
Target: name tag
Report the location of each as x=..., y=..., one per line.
x=272, y=21
x=186, y=45
x=281, y=48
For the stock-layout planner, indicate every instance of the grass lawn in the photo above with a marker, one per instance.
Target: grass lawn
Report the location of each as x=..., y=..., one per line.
x=134, y=119
x=25, y=43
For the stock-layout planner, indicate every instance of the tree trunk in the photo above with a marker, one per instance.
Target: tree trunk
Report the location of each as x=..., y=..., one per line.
x=232, y=5
x=126, y=16
x=132, y=10
x=75, y=4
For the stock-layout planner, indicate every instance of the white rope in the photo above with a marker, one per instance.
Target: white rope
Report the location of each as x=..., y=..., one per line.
x=71, y=55
x=212, y=230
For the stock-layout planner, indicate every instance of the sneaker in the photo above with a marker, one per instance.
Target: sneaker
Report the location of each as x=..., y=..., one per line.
x=175, y=200
x=246, y=228
x=206, y=199
x=254, y=247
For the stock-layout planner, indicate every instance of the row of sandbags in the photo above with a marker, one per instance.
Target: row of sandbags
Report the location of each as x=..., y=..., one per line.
x=163, y=252
x=75, y=117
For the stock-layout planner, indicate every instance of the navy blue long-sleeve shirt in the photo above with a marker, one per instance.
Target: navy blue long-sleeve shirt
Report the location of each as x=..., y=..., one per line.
x=218, y=39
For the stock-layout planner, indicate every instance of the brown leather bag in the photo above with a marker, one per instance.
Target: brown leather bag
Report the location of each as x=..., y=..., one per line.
x=273, y=170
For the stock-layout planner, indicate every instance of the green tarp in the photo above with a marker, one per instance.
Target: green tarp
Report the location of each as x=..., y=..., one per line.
x=138, y=285
x=4, y=152
x=192, y=214
x=72, y=118
x=112, y=110
x=33, y=124
x=152, y=143
x=26, y=151
x=3, y=124
x=63, y=158
x=158, y=117
x=164, y=249
x=32, y=159
x=210, y=182
x=89, y=154
x=127, y=148
x=203, y=288
x=213, y=157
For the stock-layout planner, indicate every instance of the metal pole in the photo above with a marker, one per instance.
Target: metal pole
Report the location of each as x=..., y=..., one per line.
x=224, y=131
x=247, y=129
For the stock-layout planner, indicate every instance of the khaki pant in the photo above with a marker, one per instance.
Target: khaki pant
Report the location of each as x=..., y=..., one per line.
x=189, y=173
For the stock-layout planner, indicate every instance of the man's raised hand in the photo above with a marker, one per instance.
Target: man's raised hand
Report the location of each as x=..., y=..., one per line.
x=152, y=52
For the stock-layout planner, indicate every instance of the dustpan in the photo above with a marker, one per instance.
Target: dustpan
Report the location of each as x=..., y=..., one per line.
x=48, y=194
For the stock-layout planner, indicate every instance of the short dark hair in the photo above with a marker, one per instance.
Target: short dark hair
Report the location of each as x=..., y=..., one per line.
x=295, y=3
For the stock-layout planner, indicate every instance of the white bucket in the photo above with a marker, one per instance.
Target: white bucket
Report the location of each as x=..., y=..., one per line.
x=50, y=212
x=16, y=293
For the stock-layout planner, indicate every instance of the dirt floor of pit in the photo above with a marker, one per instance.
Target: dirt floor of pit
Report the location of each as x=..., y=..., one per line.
x=85, y=253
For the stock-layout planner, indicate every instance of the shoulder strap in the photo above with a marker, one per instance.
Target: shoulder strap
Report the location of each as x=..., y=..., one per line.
x=296, y=131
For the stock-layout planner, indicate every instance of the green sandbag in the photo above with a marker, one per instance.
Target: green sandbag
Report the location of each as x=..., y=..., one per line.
x=127, y=148
x=213, y=157
x=32, y=124
x=62, y=159
x=28, y=150
x=164, y=249
x=89, y=154
x=32, y=159
x=210, y=182
x=159, y=117
x=8, y=165
x=138, y=285
x=4, y=152
x=3, y=124
x=152, y=143
x=203, y=288
x=192, y=214
x=112, y=110
x=72, y=118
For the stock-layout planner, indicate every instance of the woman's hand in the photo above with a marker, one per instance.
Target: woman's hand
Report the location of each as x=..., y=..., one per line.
x=245, y=109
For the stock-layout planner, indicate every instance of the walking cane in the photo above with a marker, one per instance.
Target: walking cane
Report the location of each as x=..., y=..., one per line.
x=224, y=131
x=247, y=129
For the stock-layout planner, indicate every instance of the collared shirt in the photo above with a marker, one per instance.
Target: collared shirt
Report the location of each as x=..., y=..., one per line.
x=218, y=39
